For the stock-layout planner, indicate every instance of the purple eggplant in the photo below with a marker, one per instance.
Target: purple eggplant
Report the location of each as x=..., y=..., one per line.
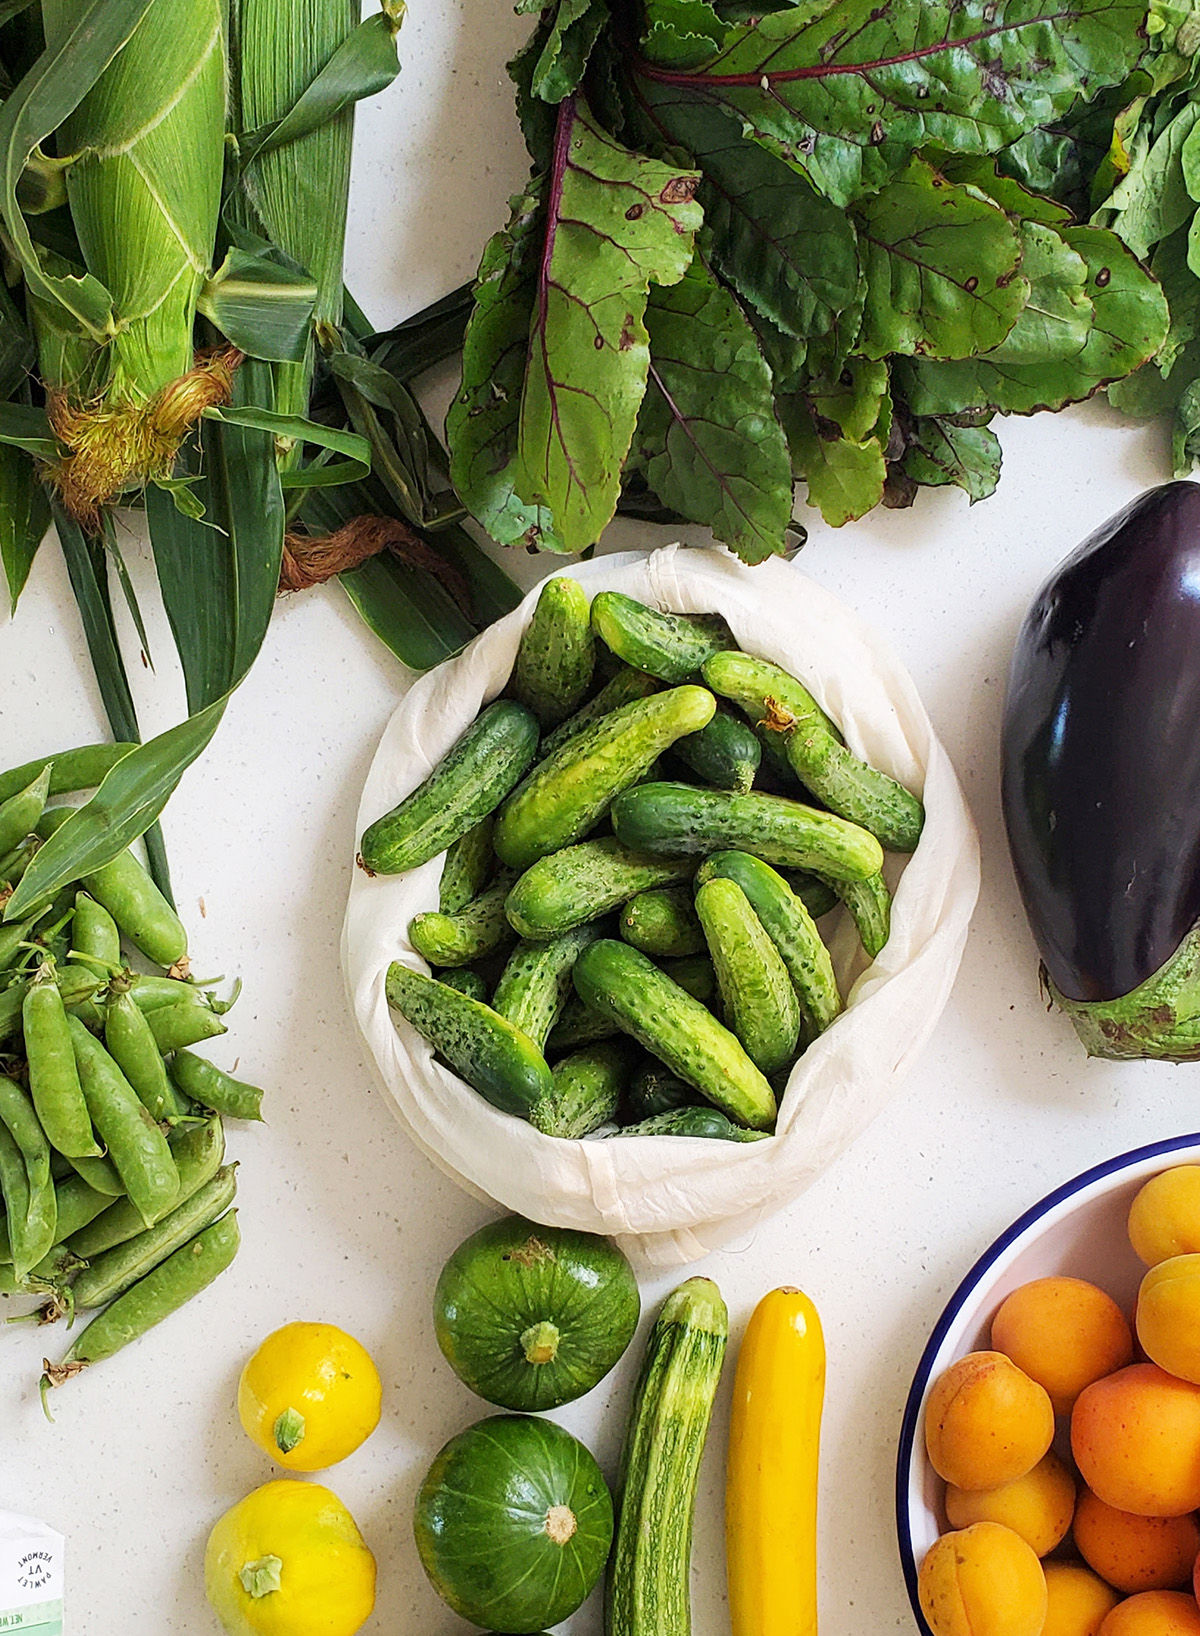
x=1101, y=779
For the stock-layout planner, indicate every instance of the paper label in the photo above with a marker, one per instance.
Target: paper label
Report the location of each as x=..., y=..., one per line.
x=32, y=1574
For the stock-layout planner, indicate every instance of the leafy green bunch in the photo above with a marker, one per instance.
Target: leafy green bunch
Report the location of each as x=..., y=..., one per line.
x=768, y=241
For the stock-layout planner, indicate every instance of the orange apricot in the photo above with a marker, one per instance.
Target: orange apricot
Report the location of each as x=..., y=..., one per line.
x=1038, y=1506
x=1064, y=1333
x=1077, y=1600
x=986, y=1422
x=1164, y=1218
x=1168, y=1316
x=1154, y=1613
x=982, y=1581
x=1135, y=1436
x=1136, y=1553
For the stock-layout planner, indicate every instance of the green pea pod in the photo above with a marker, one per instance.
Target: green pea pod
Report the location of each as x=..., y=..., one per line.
x=76, y=1204
x=135, y=1143
x=211, y=1087
x=170, y=1286
x=187, y=1022
x=100, y=1175
x=70, y=770
x=14, y=864
x=30, y=1216
x=197, y=1151
x=13, y=938
x=21, y=811
x=53, y=1077
x=125, y=889
x=110, y=1274
x=152, y=991
x=132, y=1046
x=94, y=932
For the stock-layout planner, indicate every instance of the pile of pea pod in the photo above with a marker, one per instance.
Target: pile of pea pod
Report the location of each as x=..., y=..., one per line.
x=115, y=1188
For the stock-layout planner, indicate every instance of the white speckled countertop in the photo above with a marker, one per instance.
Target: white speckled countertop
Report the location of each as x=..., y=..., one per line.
x=341, y=1219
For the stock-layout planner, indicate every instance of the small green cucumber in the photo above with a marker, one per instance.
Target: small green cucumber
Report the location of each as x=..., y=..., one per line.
x=557, y=654
x=623, y=688
x=693, y=1121
x=725, y=754
x=695, y=975
x=586, y=1091
x=679, y=819
x=790, y=927
x=665, y=1020
x=467, y=868
x=579, y=1025
x=845, y=783
x=457, y=940
x=760, y=1002
x=663, y=923
x=672, y=647
x=581, y=882
x=468, y=783
x=655, y=1089
x=534, y=985
x=466, y=980
x=817, y=895
x=870, y=904
x=495, y=1059
x=565, y=796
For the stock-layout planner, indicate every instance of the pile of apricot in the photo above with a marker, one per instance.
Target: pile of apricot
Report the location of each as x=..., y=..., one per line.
x=1092, y=1532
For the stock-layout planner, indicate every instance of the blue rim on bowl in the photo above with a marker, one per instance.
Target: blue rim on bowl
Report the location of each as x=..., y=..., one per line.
x=910, y=1462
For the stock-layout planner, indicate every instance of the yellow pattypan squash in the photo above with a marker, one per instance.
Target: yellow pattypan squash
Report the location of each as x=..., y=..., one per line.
x=309, y=1396
x=288, y=1560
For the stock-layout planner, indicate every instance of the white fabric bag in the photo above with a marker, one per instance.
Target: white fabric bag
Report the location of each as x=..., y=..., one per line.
x=669, y=1199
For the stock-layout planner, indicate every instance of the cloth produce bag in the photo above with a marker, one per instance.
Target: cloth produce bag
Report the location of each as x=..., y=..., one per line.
x=669, y=1200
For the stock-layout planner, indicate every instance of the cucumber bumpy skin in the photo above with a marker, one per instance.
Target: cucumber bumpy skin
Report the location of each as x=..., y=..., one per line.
x=567, y=795
x=681, y=820
x=581, y=882
x=662, y=923
x=619, y=982
x=760, y=1001
x=672, y=647
x=843, y=781
x=623, y=688
x=457, y=940
x=587, y=1090
x=726, y=753
x=496, y=1059
x=557, y=653
x=536, y=980
x=468, y=783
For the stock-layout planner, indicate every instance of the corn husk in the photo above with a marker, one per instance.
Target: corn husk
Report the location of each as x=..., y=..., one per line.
x=146, y=153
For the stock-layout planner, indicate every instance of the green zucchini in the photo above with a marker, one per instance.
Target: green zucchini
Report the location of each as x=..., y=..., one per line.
x=655, y=1089
x=579, y=1025
x=496, y=1059
x=693, y=1121
x=870, y=904
x=759, y=999
x=662, y=923
x=725, y=754
x=681, y=820
x=466, y=980
x=581, y=882
x=789, y=926
x=534, y=985
x=845, y=783
x=468, y=783
x=586, y=1092
x=648, y=1585
x=672, y=647
x=665, y=1020
x=565, y=796
x=467, y=867
x=457, y=940
x=557, y=653
x=623, y=688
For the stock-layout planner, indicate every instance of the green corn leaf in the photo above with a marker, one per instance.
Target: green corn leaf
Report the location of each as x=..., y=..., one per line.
x=940, y=452
x=22, y=426
x=262, y=307
x=941, y=268
x=493, y=593
x=24, y=518
x=298, y=429
x=707, y=437
x=846, y=92
x=12, y=8
x=16, y=346
x=789, y=252
x=117, y=560
x=613, y=221
x=46, y=97
x=425, y=339
x=384, y=412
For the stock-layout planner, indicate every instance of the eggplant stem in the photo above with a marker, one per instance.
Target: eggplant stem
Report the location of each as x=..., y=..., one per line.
x=1159, y=1019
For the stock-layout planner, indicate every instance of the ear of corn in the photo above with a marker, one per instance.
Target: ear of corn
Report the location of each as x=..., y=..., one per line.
x=145, y=149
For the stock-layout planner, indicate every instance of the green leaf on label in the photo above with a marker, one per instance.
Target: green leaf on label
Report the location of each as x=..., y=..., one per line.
x=847, y=92
x=707, y=437
x=941, y=266
x=940, y=452
x=787, y=251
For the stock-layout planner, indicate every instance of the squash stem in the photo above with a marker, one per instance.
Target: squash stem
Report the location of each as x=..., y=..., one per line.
x=540, y=1342
x=261, y=1577
x=1159, y=1019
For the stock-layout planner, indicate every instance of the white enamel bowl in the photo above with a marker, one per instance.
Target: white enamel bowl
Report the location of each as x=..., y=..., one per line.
x=1077, y=1230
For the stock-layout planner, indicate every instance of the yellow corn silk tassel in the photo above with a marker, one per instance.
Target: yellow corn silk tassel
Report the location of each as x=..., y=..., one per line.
x=144, y=159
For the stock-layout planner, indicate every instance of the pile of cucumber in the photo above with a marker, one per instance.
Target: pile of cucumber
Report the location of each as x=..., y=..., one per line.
x=117, y=1197
x=640, y=837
